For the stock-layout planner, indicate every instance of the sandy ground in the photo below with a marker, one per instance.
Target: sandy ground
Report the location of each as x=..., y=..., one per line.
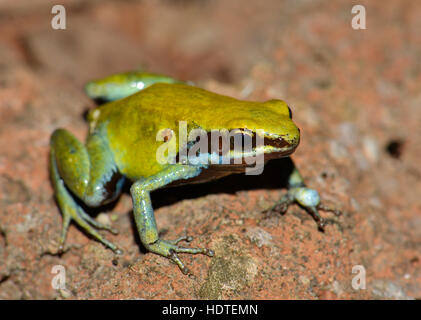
x=355, y=94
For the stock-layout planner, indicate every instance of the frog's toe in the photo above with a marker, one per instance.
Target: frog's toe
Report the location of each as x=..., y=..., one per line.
x=205, y=251
x=65, y=227
x=118, y=251
x=88, y=224
x=321, y=222
x=182, y=238
x=326, y=208
x=169, y=249
x=60, y=249
x=177, y=249
x=96, y=223
x=281, y=206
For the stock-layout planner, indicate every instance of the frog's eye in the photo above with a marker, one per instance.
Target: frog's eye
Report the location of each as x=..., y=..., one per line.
x=243, y=138
x=290, y=112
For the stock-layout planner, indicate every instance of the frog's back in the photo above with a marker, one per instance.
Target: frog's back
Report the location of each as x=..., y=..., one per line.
x=132, y=123
x=174, y=102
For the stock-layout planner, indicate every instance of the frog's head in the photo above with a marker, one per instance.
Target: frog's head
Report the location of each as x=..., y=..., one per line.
x=269, y=125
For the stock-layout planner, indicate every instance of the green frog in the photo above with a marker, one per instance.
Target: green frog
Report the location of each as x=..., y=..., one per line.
x=122, y=146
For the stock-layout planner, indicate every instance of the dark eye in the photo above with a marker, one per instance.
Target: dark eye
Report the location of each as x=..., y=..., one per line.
x=290, y=112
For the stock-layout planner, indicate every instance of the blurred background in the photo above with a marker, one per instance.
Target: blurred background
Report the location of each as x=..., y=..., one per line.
x=355, y=94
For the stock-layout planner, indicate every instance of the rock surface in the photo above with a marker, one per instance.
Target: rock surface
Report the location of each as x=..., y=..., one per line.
x=355, y=94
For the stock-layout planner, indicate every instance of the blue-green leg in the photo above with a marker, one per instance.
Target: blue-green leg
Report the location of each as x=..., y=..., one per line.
x=72, y=172
x=145, y=218
x=307, y=198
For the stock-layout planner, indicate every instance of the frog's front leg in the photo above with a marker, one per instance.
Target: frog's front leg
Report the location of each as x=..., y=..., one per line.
x=307, y=198
x=84, y=170
x=145, y=218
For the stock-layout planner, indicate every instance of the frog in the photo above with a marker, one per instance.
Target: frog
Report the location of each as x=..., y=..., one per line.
x=121, y=147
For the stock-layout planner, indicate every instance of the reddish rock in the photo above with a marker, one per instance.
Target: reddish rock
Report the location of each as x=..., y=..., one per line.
x=354, y=93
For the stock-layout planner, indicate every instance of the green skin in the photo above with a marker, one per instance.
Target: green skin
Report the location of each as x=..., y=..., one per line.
x=122, y=145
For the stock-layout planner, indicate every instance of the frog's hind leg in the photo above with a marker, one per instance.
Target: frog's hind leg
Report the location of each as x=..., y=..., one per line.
x=71, y=210
x=72, y=157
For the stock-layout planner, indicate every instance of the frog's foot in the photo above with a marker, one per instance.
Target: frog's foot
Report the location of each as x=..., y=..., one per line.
x=307, y=198
x=170, y=248
x=88, y=224
x=97, y=224
x=281, y=206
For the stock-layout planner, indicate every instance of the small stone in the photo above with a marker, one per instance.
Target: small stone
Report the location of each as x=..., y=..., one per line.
x=389, y=290
x=338, y=150
x=104, y=219
x=304, y=280
x=371, y=149
x=65, y=293
x=259, y=236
